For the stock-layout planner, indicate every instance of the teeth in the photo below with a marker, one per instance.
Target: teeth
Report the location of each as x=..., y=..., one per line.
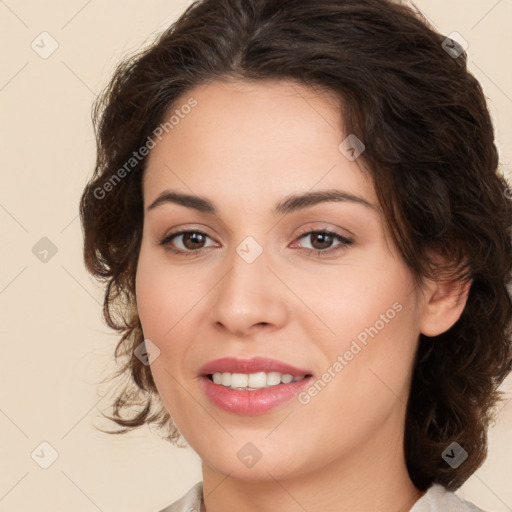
x=286, y=378
x=238, y=380
x=273, y=378
x=252, y=381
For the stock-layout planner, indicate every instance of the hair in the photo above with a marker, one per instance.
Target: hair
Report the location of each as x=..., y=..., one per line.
x=429, y=146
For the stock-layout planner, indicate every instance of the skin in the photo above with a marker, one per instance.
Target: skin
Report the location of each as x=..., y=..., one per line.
x=245, y=147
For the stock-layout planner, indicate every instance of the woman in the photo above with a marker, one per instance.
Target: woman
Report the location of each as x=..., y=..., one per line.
x=305, y=237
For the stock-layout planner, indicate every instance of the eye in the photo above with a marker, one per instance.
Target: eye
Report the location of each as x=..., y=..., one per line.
x=191, y=242
x=322, y=241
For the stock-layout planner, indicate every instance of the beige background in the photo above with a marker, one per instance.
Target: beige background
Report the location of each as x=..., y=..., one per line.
x=55, y=347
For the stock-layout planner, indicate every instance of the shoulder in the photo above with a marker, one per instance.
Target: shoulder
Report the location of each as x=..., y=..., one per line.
x=439, y=499
x=189, y=502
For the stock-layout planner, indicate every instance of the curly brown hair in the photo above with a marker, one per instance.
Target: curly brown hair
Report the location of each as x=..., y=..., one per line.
x=407, y=93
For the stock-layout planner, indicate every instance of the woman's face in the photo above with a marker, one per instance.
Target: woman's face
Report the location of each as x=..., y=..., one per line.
x=246, y=283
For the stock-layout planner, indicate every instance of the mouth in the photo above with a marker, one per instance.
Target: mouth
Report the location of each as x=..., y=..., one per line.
x=252, y=386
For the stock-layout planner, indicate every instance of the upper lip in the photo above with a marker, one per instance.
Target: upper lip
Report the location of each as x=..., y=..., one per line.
x=253, y=365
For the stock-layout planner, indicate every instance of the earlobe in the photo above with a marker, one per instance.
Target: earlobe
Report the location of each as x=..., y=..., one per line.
x=443, y=306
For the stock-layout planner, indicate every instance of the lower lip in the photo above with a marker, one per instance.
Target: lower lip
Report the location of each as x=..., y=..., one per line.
x=252, y=402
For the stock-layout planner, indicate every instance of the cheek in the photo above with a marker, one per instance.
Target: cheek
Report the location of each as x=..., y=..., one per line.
x=149, y=297
x=378, y=331
x=164, y=295
x=372, y=312
x=358, y=296
x=160, y=307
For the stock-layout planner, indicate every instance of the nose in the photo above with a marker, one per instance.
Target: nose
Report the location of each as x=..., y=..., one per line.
x=249, y=297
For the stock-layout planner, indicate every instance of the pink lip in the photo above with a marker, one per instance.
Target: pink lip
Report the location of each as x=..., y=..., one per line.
x=254, y=402
x=253, y=365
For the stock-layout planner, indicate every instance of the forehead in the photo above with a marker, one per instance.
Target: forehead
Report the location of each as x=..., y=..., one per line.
x=254, y=142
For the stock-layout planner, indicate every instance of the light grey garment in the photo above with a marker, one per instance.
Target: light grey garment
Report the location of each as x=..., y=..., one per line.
x=189, y=502
x=436, y=499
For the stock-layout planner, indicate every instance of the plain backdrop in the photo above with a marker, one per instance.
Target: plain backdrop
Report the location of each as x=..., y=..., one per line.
x=56, y=56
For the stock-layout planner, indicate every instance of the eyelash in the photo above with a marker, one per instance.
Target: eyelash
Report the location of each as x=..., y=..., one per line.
x=344, y=243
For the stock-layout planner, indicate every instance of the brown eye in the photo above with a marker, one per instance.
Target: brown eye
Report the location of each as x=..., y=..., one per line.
x=191, y=242
x=321, y=242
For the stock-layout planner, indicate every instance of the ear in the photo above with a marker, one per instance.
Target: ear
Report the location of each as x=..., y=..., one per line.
x=443, y=306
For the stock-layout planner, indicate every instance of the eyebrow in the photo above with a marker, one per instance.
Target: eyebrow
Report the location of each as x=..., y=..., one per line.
x=290, y=204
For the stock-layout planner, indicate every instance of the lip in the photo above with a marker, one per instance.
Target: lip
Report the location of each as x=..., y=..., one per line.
x=254, y=402
x=253, y=365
